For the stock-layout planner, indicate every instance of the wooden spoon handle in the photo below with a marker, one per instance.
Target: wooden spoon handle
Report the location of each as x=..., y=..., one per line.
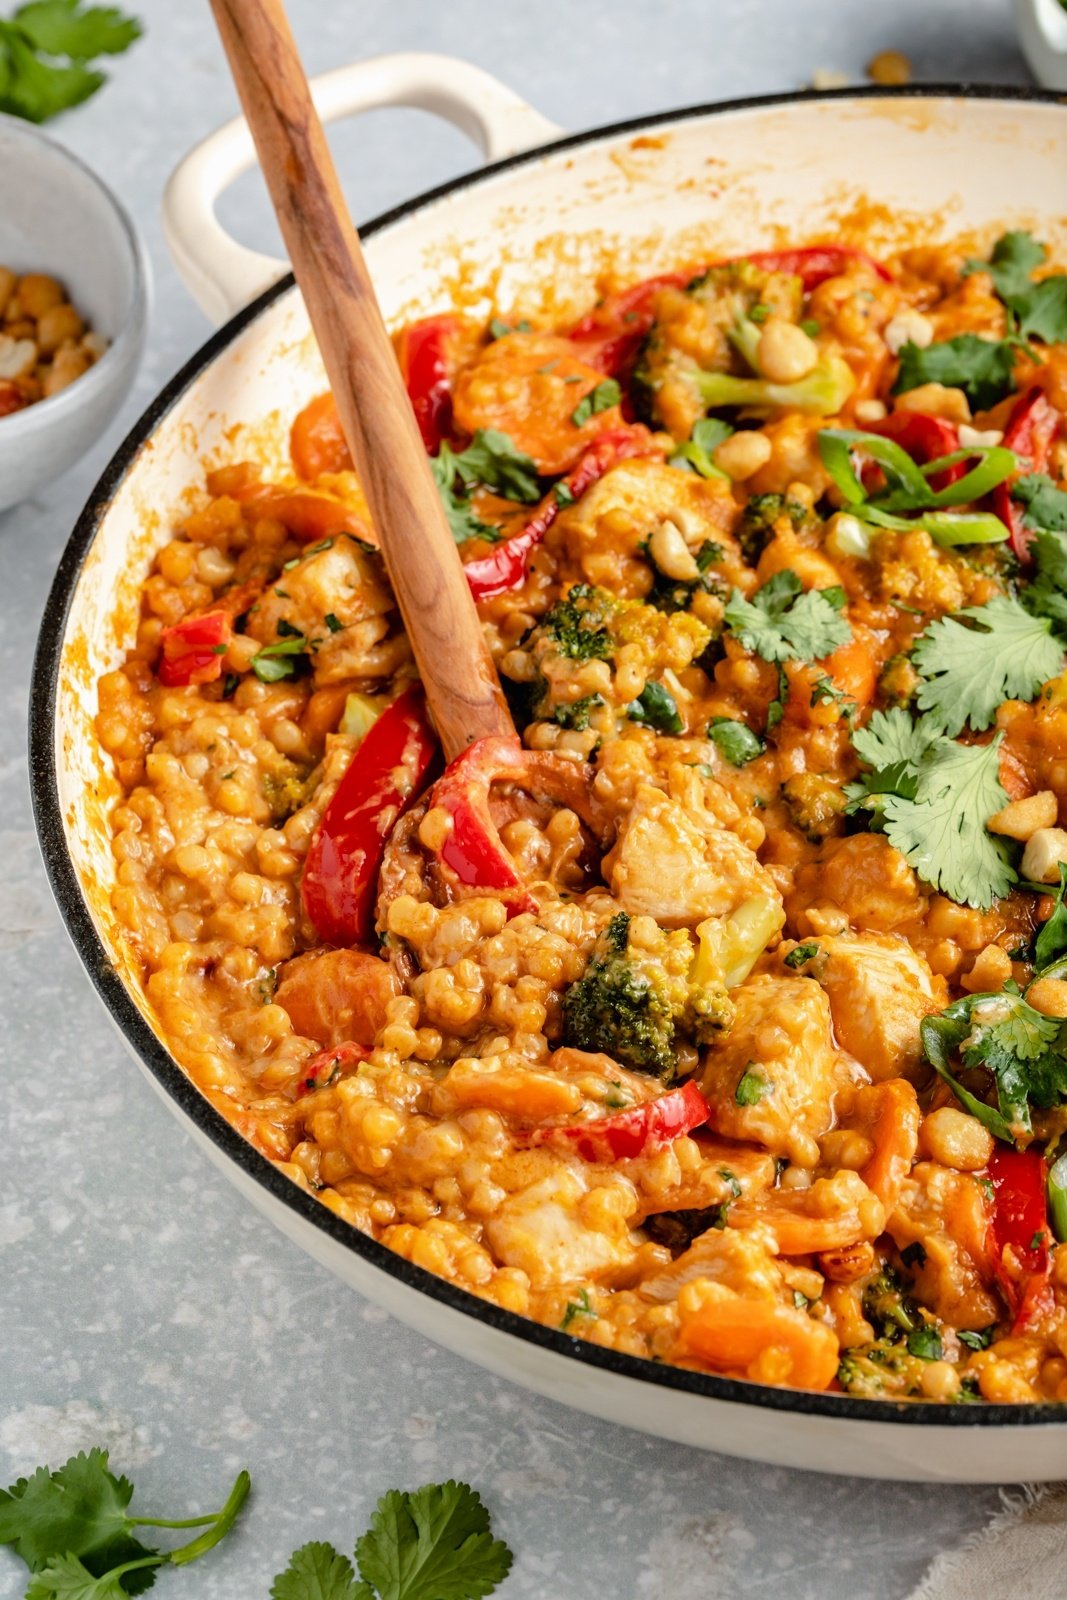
x=420, y=554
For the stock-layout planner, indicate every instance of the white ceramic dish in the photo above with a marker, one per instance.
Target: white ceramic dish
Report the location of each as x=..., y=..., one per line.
x=56, y=216
x=1042, y=29
x=712, y=180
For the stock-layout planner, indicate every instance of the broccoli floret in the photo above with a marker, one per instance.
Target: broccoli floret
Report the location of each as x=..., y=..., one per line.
x=880, y=1371
x=702, y=350
x=892, y=1364
x=764, y=516
x=641, y=1005
x=618, y=1008
x=821, y=394
x=888, y=1308
x=578, y=623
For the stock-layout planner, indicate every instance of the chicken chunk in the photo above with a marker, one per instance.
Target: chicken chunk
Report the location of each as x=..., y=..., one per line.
x=601, y=538
x=880, y=989
x=948, y=1215
x=558, y=1230
x=336, y=598
x=773, y=1078
x=859, y=881
x=678, y=868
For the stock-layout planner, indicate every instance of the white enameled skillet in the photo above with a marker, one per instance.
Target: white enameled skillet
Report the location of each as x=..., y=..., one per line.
x=533, y=228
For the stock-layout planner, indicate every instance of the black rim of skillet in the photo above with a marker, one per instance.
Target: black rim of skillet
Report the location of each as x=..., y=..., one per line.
x=171, y=1077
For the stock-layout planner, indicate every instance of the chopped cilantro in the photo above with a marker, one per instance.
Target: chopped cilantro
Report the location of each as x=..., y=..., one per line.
x=802, y=954
x=925, y=1342
x=606, y=394
x=1024, y=1052
x=751, y=1087
x=735, y=741
x=276, y=661
x=492, y=461
x=977, y=1338
x=577, y=1308
x=1051, y=941
x=783, y=622
x=657, y=708
x=982, y=368
x=1035, y=310
x=333, y=623
x=1006, y=654
x=695, y=454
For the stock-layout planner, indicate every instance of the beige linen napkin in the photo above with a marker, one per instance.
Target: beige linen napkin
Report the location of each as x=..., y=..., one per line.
x=1021, y=1555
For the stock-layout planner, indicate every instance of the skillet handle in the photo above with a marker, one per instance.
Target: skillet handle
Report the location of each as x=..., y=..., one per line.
x=223, y=275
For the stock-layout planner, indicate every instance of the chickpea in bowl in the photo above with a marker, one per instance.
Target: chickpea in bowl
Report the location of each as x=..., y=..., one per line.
x=45, y=343
x=74, y=300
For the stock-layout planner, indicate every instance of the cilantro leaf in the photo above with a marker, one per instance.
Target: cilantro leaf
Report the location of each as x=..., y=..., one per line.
x=657, y=708
x=1011, y=262
x=63, y=28
x=694, y=455
x=1046, y=506
x=606, y=394
x=1051, y=941
x=982, y=368
x=45, y=49
x=80, y=1510
x=319, y=1572
x=893, y=736
x=1037, y=310
x=735, y=741
x=1023, y=1050
x=783, y=623
x=941, y=830
x=433, y=1543
x=751, y=1087
x=490, y=460
x=970, y=671
x=67, y=1578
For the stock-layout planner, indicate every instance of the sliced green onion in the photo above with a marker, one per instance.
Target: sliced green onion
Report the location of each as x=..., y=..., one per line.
x=994, y=465
x=836, y=446
x=946, y=528
x=1057, y=1197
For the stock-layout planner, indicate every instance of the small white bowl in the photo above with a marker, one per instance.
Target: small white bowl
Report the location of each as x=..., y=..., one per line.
x=1042, y=28
x=57, y=217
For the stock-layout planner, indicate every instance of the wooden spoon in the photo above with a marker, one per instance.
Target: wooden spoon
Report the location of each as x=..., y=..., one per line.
x=420, y=555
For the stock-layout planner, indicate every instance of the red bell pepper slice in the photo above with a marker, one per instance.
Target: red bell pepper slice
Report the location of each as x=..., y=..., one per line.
x=328, y=1064
x=1020, y=1225
x=611, y=333
x=638, y=1131
x=505, y=567
x=472, y=852
x=424, y=352
x=193, y=649
x=1031, y=429
x=383, y=780
x=925, y=438
x=813, y=264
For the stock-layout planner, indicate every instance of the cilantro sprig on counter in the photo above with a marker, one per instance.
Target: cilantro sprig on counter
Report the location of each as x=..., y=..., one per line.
x=433, y=1543
x=46, y=51
x=73, y=1529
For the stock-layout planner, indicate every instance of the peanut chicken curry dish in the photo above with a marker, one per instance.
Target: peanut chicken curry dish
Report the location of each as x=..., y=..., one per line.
x=721, y=1017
